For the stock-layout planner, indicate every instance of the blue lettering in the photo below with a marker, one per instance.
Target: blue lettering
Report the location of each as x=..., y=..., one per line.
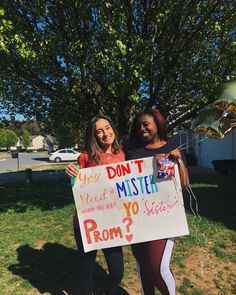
x=153, y=184
x=135, y=193
x=127, y=182
x=146, y=185
x=137, y=186
x=140, y=182
x=121, y=188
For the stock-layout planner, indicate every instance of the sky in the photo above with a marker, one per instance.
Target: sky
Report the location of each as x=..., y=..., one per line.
x=3, y=113
x=19, y=117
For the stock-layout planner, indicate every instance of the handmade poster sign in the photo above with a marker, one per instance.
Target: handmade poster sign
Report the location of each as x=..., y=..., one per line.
x=126, y=203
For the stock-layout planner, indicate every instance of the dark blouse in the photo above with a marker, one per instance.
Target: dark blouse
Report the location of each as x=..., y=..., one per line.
x=150, y=152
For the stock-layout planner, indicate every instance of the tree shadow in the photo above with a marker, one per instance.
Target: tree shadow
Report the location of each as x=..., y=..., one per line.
x=53, y=269
x=19, y=176
x=41, y=159
x=216, y=198
x=51, y=192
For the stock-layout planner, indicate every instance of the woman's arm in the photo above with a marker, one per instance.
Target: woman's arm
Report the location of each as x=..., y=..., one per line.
x=183, y=171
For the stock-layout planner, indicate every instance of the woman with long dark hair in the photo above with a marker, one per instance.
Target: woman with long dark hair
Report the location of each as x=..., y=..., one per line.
x=101, y=147
x=149, y=138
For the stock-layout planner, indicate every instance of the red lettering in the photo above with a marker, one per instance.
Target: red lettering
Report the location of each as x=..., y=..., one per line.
x=89, y=226
x=105, y=234
x=119, y=170
x=138, y=163
x=126, y=169
x=115, y=232
x=111, y=172
x=97, y=237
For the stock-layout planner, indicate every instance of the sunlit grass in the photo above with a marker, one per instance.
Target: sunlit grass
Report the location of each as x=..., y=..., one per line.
x=38, y=251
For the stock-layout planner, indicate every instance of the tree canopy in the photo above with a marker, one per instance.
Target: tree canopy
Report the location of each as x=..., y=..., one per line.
x=25, y=139
x=8, y=138
x=19, y=127
x=64, y=61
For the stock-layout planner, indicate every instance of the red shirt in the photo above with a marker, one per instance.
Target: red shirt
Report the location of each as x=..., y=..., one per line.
x=108, y=158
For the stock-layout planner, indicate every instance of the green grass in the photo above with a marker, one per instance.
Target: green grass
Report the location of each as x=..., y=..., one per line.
x=209, y=251
x=52, y=166
x=38, y=252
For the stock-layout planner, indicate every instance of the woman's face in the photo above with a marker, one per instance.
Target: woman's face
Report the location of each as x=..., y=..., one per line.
x=104, y=133
x=147, y=128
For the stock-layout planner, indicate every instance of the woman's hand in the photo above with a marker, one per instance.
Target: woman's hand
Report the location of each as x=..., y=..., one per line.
x=71, y=170
x=175, y=154
x=183, y=171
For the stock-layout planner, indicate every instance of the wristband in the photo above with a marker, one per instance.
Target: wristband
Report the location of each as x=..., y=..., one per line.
x=72, y=181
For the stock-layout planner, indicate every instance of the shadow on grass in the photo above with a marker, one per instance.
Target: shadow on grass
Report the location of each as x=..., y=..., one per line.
x=216, y=198
x=44, y=194
x=19, y=176
x=53, y=269
x=215, y=194
x=41, y=159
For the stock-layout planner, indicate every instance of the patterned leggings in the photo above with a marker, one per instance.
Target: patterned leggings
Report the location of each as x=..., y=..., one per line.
x=153, y=259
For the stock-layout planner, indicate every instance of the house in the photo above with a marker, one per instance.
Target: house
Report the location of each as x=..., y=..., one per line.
x=36, y=143
x=18, y=145
x=206, y=149
x=185, y=140
x=50, y=143
x=209, y=149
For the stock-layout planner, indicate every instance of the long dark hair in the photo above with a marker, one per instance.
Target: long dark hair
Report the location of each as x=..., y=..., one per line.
x=136, y=140
x=92, y=145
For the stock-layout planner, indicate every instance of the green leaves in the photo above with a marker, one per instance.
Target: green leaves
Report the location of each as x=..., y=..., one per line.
x=26, y=139
x=2, y=12
x=121, y=46
x=8, y=138
x=65, y=63
x=108, y=5
x=23, y=47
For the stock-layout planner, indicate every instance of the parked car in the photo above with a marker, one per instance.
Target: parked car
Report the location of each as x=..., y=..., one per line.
x=64, y=155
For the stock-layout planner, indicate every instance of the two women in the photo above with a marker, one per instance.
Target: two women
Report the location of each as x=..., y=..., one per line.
x=148, y=138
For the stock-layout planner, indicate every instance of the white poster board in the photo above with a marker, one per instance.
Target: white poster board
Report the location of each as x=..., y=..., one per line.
x=125, y=203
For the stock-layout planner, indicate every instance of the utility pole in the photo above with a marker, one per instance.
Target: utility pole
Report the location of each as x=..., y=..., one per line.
x=18, y=148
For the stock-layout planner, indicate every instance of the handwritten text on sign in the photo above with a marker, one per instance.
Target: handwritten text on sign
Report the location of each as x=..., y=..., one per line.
x=125, y=203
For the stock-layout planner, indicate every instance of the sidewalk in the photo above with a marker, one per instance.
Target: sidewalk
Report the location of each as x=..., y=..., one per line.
x=36, y=175
x=4, y=156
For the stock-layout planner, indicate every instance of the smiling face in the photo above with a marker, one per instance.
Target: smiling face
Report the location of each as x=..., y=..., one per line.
x=147, y=129
x=104, y=133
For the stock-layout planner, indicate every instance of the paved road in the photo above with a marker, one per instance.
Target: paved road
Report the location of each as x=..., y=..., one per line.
x=8, y=164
